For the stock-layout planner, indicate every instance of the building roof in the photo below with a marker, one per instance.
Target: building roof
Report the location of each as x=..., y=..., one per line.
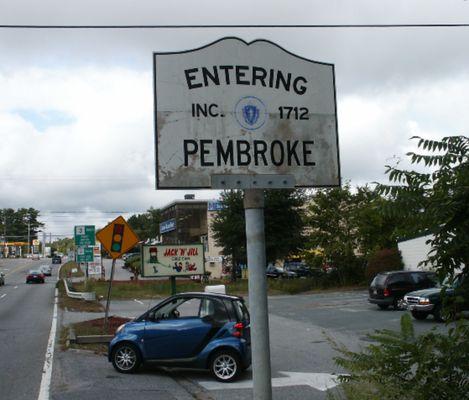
x=182, y=201
x=416, y=236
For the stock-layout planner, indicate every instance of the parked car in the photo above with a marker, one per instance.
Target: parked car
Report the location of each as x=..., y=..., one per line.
x=274, y=271
x=56, y=260
x=2, y=278
x=130, y=259
x=46, y=269
x=389, y=288
x=35, y=276
x=299, y=268
x=187, y=330
x=422, y=303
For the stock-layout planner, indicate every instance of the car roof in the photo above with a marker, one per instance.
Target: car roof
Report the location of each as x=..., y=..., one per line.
x=207, y=294
x=405, y=272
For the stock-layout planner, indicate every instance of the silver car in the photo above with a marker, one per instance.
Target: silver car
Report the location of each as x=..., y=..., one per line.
x=46, y=270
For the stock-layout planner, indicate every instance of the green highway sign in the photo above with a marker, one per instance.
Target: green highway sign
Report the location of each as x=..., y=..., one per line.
x=84, y=254
x=85, y=236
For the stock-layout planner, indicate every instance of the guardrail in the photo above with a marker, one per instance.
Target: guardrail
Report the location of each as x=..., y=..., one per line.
x=88, y=296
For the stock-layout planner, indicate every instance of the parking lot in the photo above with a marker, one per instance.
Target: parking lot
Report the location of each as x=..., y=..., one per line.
x=301, y=354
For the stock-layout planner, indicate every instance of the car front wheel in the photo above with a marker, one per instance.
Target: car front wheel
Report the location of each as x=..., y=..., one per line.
x=419, y=314
x=126, y=358
x=225, y=365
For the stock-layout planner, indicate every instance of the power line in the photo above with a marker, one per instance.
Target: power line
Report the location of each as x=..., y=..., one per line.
x=90, y=212
x=239, y=26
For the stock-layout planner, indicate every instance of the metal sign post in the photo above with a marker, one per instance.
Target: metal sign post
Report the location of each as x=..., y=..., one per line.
x=116, y=238
x=108, y=299
x=255, y=238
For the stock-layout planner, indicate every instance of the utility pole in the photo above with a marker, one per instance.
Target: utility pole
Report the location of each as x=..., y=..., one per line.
x=29, y=238
x=43, y=244
x=4, y=234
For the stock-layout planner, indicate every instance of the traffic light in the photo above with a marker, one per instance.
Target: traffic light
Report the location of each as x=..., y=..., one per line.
x=117, y=236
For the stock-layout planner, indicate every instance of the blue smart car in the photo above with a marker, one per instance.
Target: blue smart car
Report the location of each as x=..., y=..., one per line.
x=188, y=330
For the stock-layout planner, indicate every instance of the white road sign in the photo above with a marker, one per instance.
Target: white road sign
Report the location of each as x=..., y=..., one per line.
x=237, y=108
x=172, y=260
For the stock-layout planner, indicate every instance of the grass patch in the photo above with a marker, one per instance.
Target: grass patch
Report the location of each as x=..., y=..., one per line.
x=66, y=270
x=123, y=290
x=144, y=289
x=67, y=303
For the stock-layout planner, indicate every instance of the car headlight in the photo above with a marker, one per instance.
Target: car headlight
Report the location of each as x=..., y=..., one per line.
x=424, y=301
x=120, y=328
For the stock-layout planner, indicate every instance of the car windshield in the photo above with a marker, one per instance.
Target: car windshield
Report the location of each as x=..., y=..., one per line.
x=379, y=280
x=34, y=272
x=456, y=281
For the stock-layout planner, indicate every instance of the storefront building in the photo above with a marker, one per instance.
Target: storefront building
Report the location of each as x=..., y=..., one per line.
x=188, y=221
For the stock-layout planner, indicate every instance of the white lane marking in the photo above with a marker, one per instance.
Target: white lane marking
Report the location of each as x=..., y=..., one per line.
x=3, y=295
x=16, y=287
x=139, y=302
x=44, y=390
x=316, y=380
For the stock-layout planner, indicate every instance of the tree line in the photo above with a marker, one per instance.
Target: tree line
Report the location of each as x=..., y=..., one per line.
x=18, y=225
x=354, y=231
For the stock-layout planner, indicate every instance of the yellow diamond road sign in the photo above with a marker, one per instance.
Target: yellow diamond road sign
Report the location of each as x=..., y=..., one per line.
x=117, y=238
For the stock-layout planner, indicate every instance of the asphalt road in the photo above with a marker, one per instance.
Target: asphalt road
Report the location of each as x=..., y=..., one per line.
x=25, y=323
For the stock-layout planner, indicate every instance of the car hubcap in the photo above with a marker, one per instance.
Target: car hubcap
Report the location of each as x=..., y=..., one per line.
x=224, y=366
x=125, y=358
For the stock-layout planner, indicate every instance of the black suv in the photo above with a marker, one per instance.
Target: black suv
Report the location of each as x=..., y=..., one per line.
x=56, y=260
x=388, y=288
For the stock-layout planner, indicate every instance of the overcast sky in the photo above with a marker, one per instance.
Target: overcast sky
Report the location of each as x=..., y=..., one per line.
x=76, y=106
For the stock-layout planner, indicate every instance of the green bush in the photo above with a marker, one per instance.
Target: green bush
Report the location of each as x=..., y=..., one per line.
x=402, y=366
x=383, y=260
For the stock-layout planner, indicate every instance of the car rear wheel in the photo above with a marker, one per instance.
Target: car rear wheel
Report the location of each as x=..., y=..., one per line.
x=126, y=358
x=383, y=306
x=225, y=365
x=419, y=314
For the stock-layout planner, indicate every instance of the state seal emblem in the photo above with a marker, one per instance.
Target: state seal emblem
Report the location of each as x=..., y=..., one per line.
x=251, y=113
